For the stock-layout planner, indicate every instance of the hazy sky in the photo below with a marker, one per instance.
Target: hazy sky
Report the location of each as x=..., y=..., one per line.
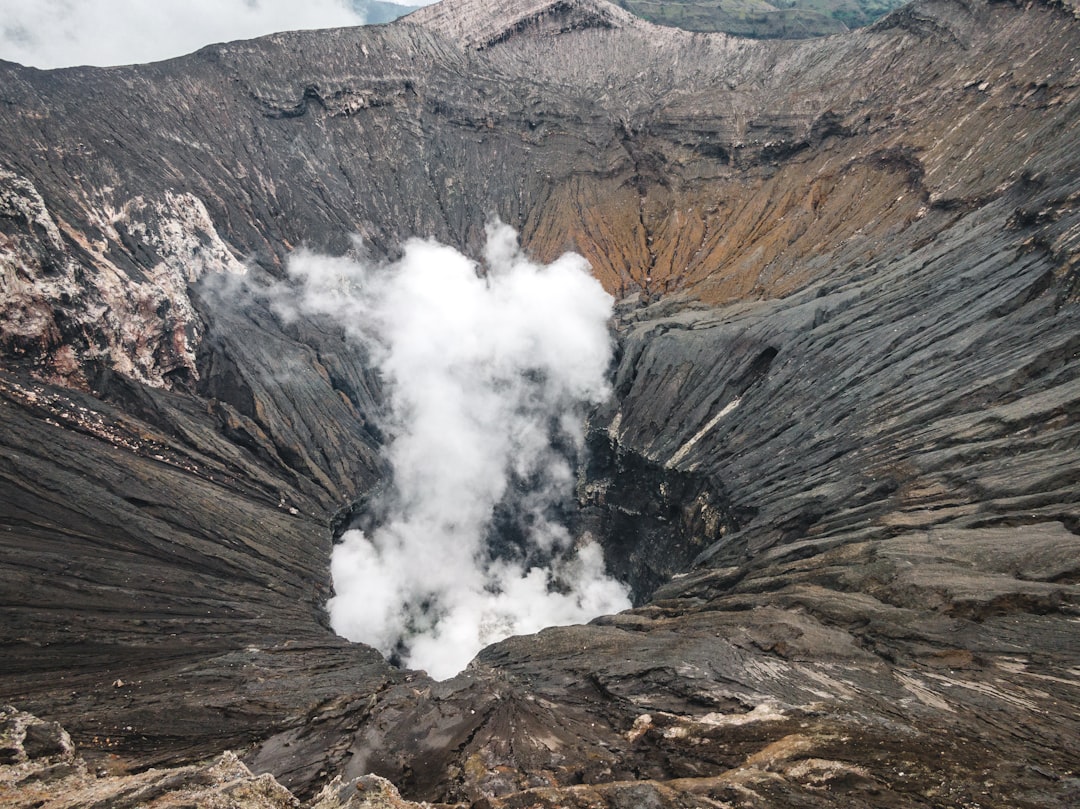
x=60, y=33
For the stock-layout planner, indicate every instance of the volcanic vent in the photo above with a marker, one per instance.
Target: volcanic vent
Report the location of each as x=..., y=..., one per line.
x=488, y=374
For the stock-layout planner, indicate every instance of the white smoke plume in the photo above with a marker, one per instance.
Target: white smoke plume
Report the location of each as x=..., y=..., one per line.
x=488, y=376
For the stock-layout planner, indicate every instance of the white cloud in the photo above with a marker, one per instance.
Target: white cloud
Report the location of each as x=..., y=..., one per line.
x=489, y=377
x=59, y=33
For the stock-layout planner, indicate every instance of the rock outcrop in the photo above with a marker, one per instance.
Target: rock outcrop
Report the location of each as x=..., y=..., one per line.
x=39, y=767
x=839, y=467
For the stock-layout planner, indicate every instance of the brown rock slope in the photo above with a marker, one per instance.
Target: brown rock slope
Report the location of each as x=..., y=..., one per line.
x=840, y=466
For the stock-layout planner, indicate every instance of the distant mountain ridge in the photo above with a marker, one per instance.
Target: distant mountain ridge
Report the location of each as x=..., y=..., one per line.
x=760, y=19
x=377, y=12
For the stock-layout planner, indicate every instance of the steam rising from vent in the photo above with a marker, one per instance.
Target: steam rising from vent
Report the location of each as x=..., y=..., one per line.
x=489, y=377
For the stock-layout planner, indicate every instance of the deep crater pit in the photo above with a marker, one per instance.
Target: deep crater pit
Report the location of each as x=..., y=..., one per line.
x=489, y=370
x=509, y=503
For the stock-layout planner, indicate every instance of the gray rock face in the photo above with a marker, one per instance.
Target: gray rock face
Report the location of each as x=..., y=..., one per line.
x=45, y=771
x=839, y=467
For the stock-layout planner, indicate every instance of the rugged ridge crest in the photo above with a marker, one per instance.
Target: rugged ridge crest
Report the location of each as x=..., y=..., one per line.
x=478, y=24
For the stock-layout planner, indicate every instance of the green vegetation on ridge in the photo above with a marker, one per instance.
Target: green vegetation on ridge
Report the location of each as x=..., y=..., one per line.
x=377, y=12
x=763, y=19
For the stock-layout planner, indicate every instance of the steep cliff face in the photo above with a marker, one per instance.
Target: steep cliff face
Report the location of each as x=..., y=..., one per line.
x=839, y=466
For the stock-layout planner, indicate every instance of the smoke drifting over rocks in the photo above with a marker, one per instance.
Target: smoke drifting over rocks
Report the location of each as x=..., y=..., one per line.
x=489, y=373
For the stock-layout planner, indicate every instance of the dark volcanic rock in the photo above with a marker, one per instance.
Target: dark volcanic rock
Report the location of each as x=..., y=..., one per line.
x=839, y=466
x=47, y=772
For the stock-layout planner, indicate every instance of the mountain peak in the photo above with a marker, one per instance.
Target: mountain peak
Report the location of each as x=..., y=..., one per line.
x=482, y=24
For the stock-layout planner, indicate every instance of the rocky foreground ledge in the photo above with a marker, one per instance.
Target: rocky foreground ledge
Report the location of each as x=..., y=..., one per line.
x=40, y=767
